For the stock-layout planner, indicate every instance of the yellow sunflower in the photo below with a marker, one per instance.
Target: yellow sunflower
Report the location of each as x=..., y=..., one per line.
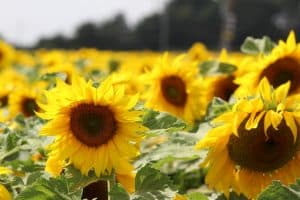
x=66, y=68
x=175, y=87
x=198, y=52
x=7, y=54
x=223, y=85
x=94, y=128
x=280, y=66
x=255, y=143
x=23, y=99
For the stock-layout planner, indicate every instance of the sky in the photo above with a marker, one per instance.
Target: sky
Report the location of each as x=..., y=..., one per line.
x=23, y=22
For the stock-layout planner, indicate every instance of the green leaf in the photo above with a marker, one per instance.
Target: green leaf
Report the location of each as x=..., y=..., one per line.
x=255, y=46
x=280, y=192
x=197, y=196
x=118, y=192
x=11, y=141
x=215, y=67
x=77, y=181
x=33, y=177
x=167, y=152
x=217, y=107
x=151, y=184
x=68, y=186
x=48, y=189
x=156, y=120
x=51, y=77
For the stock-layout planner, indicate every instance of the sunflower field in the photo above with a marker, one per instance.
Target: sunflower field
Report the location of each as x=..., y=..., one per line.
x=142, y=125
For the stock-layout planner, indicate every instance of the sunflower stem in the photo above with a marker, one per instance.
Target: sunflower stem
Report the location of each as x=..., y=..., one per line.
x=111, y=183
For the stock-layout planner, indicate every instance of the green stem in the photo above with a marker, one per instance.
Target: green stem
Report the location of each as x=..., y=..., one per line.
x=111, y=183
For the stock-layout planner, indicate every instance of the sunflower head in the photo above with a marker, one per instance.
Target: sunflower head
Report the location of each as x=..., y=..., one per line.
x=175, y=87
x=280, y=66
x=94, y=128
x=256, y=142
x=198, y=52
x=23, y=99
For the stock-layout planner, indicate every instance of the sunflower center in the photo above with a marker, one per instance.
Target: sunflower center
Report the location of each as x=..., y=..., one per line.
x=281, y=71
x=3, y=101
x=92, y=125
x=29, y=106
x=96, y=190
x=174, y=90
x=225, y=87
x=252, y=150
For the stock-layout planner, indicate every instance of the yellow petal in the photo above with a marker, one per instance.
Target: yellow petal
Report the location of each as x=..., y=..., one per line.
x=4, y=194
x=275, y=119
x=291, y=40
x=267, y=123
x=265, y=90
x=4, y=170
x=239, y=117
x=54, y=166
x=290, y=122
x=254, y=120
x=282, y=91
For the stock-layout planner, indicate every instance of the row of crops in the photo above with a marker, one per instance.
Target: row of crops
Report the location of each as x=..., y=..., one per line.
x=143, y=125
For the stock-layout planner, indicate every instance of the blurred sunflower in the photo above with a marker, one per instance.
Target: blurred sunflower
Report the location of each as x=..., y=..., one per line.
x=7, y=53
x=94, y=128
x=9, y=80
x=51, y=58
x=66, y=68
x=224, y=85
x=175, y=87
x=257, y=142
x=198, y=52
x=23, y=99
x=280, y=66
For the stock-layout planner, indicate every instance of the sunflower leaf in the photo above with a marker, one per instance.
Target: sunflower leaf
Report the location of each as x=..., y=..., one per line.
x=163, y=150
x=49, y=189
x=118, y=192
x=214, y=67
x=151, y=184
x=279, y=191
x=217, y=107
x=156, y=120
x=197, y=196
x=255, y=46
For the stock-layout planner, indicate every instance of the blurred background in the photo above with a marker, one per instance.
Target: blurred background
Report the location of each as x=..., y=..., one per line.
x=137, y=24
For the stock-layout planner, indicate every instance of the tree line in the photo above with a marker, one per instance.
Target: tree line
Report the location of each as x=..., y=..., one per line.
x=184, y=22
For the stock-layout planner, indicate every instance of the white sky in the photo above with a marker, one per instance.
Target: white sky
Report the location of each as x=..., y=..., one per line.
x=25, y=21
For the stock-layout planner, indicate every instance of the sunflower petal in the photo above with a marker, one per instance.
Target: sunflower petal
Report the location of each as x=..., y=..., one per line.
x=265, y=90
x=282, y=91
x=290, y=122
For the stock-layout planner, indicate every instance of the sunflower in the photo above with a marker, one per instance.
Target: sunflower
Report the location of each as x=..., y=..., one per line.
x=255, y=143
x=7, y=54
x=9, y=80
x=67, y=68
x=280, y=66
x=224, y=85
x=23, y=99
x=94, y=128
x=198, y=52
x=175, y=87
